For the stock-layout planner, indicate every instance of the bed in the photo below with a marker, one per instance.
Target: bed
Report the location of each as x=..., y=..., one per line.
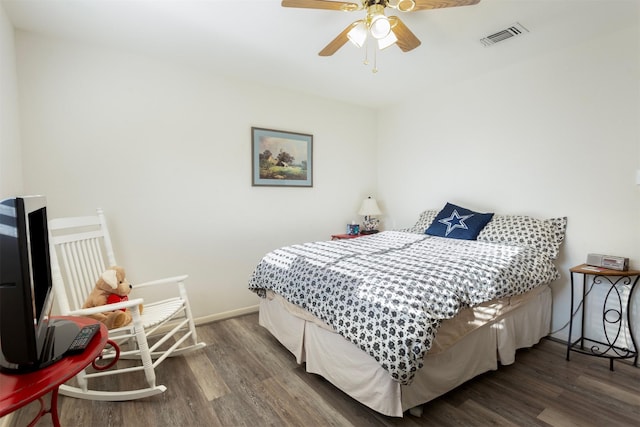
x=399, y=318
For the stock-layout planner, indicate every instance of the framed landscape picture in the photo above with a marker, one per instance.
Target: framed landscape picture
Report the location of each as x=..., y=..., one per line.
x=281, y=159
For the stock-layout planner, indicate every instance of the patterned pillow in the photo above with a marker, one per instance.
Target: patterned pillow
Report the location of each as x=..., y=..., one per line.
x=424, y=221
x=456, y=222
x=545, y=235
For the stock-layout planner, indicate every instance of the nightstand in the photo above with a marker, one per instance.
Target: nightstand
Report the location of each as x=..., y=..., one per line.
x=345, y=236
x=614, y=283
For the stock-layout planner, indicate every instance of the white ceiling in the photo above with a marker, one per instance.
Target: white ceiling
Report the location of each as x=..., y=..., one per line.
x=263, y=42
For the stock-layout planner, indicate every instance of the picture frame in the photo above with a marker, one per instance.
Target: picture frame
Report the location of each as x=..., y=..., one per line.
x=281, y=158
x=353, y=229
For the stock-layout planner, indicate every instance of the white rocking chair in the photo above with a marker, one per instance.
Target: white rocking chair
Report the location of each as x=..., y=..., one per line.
x=80, y=251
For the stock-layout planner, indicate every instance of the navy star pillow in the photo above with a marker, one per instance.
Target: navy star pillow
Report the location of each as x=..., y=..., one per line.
x=457, y=222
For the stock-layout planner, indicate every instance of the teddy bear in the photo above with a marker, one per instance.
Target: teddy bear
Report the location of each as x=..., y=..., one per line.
x=112, y=286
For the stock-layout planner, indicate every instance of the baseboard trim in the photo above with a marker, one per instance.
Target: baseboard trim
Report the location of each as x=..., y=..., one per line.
x=556, y=339
x=225, y=315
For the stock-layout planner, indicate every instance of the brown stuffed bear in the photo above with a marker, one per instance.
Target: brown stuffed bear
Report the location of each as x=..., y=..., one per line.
x=112, y=286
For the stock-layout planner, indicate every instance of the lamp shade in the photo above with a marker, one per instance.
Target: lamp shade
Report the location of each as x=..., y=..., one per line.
x=380, y=26
x=387, y=41
x=369, y=207
x=358, y=34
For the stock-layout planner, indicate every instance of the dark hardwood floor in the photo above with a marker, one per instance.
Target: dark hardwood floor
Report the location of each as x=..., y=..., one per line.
x=246, y=378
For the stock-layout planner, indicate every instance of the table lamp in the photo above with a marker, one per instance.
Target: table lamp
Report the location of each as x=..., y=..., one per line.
x=368, y=209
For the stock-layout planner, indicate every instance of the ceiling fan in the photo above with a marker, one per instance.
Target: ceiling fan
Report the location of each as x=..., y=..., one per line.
x=384, y=30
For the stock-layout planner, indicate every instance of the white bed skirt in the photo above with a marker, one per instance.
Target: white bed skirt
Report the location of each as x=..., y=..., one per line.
x=464, y=347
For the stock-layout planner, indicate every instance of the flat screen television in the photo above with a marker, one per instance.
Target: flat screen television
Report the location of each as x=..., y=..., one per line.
x=29, y=339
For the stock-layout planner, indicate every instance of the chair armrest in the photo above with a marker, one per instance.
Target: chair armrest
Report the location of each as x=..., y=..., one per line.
x=168, y=280
x=108, y=307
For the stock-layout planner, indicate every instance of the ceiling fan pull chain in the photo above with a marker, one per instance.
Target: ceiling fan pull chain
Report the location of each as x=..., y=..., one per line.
x=375, y=61
x=366, y=53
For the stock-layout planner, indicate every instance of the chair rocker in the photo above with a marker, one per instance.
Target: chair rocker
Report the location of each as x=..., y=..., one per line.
x=80, y=251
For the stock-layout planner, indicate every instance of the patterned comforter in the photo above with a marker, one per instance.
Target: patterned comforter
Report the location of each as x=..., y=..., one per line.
x=388, y=293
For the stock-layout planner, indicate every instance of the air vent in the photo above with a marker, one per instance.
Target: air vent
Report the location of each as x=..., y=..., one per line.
x=515, y=30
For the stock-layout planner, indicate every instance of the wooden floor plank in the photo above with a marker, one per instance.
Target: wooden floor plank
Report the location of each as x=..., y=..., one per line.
x=606, y=389
x=485, y=416
x=206, y=375
x=244, y=377
x=558, y=418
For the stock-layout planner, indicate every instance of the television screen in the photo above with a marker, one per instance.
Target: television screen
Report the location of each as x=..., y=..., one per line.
x=26, y=296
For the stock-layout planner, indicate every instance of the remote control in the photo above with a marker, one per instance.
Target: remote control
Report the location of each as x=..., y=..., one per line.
x=82, y=340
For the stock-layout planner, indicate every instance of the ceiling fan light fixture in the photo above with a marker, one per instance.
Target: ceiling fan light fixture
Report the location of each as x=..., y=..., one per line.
x=375, y=23
x=380, y=27
x=358, y=34
x=385, y=42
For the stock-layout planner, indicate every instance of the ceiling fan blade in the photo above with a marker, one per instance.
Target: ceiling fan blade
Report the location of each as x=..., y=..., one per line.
x=338, y=42
x=406, y=39
x=321, y=4
x=438, y=4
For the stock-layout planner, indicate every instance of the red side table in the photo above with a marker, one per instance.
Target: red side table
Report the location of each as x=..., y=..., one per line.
x=344, y=236
x=18, y=390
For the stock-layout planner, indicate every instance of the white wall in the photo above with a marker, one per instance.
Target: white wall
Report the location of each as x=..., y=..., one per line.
x=557, y=135
x=165, y=149
x=10, y=154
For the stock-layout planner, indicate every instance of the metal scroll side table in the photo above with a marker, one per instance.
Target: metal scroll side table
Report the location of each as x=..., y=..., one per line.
x=613, y=310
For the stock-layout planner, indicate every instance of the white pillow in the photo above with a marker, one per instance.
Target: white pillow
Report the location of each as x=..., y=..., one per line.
x=424, y=221
x=545, y=235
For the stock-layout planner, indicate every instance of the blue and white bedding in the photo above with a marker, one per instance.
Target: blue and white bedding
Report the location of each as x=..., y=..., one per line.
x=388, y=293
